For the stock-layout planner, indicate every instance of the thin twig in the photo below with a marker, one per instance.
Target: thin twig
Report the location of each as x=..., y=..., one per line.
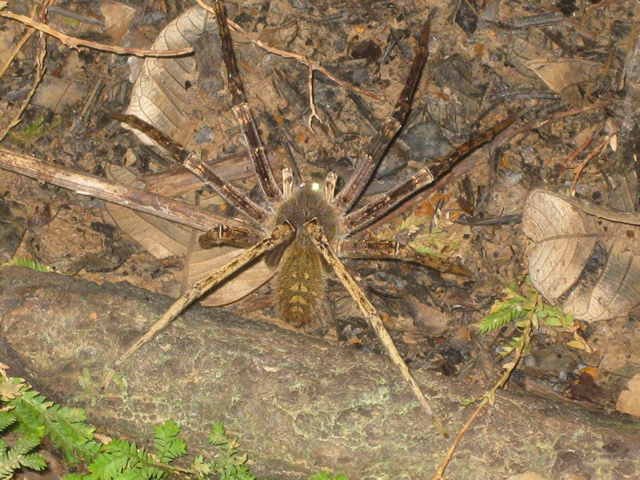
x=578, y=170
x=312, y=105
x=576, y=153
x=38, y=76
x=300, y=58
x=74, y=42
x=490, y=395
x=16, y=50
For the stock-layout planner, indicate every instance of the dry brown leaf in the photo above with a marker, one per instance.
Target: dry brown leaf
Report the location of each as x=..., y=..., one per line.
x=160, y=93
x=562, y=74
x=566, y=231
x=163, y=238
x=117, y=17
x=629, y=400
x=161, y=96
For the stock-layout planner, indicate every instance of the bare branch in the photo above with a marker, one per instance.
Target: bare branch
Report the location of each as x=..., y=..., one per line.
x=300, y=58
x=73, y=42
x=135, y=198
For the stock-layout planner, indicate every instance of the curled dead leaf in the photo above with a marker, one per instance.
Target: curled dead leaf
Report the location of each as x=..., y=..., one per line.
x=566, y=232
x=629, y=400
x=164, y=96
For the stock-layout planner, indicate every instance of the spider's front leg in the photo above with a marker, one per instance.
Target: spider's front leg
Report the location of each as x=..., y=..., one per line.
x=281, y=234
x=369, y=312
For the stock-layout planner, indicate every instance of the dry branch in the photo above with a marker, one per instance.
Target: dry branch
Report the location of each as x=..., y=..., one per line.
x=73, y=42
x=113, y=192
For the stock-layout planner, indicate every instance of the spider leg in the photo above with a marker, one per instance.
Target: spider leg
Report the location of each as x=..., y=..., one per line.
x=375, y=151
x=393, y=250
x=198, y=167
x=380, y=206
x=369, y=312
x=232, y=236
x=113, y=192
x=280, y=234
x=243, y=112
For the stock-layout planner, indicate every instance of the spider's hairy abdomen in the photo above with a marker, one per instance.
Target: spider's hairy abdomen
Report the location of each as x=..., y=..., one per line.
x=300, y=285
x=301, y=282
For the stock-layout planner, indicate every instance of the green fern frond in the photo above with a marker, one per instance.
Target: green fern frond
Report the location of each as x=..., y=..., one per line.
x=7, y=418
x=122, y=460
x=168, y=445
x=503, y=314
x=20, y=456
x=65, y=426
x=28, y=263
x=34, y=416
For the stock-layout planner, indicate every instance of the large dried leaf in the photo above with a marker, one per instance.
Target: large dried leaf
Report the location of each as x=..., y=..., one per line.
x=160, y=96
x=563, y=76
x=566, y=231
x=163, y=238
x=160, y=93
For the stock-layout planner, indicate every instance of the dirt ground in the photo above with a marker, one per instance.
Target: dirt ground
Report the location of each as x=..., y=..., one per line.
x=564, y=69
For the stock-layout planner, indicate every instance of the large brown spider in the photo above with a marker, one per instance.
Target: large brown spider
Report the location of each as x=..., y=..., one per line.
x=303, y=232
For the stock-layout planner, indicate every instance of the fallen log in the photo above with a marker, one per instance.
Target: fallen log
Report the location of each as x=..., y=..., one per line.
x=298, y=404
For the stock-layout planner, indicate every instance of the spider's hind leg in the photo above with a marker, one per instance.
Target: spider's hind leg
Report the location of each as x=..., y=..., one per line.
x=369, y=311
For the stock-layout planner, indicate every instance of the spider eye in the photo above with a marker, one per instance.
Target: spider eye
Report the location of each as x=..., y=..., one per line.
x=315, y=186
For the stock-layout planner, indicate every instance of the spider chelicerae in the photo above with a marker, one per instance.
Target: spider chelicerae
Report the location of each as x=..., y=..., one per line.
x=303, y=231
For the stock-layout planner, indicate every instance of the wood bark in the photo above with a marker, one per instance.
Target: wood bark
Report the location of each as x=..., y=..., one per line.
x=110, y=191
x=297, y=404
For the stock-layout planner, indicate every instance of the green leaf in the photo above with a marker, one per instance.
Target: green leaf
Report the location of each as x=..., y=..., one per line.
x=20, y=456
x=7, y=418
x=64, y=426
x=168, y=446
x=569, y=319
x=34, y=461
x=553, y=322
x=28, y=263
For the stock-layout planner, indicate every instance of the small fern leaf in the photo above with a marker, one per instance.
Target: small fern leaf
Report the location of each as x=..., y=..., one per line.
x=28, y=263
x=502, y=314
x=34, y=461
x=24, y=444
x=7, y=418
x=168, y=445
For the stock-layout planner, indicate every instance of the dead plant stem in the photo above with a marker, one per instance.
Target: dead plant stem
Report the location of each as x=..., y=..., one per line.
x=489, y=397
x=300, y=58
x=73, y=42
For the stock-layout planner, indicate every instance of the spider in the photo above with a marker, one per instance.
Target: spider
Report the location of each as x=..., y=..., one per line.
x=301, y=230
